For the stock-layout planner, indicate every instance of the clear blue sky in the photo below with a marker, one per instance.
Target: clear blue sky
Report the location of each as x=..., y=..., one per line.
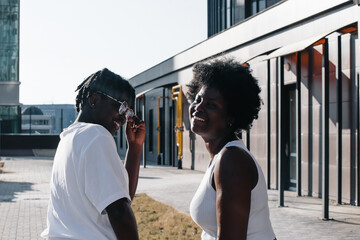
x=64, y=41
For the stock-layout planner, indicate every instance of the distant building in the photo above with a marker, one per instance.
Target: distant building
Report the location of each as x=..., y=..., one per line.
x=9, y=66
x=47, y=118
x=35, y=122
x=51, y=119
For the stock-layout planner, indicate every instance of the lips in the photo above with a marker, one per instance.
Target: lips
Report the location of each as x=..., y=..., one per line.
x=198, y=119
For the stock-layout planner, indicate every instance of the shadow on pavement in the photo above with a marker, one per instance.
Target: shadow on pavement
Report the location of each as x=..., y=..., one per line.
x=8, y=190
x=142, y=177
x=348, y=221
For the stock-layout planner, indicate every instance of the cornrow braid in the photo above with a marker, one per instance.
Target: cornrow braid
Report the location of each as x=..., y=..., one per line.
x=103, y=81
x=83, y=89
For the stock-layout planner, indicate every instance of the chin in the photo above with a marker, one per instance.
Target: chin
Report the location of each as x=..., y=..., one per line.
x=193, y=129
x=197, y=131
x=112, y=131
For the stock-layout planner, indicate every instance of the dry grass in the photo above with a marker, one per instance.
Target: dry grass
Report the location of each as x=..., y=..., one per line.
x=158, y=221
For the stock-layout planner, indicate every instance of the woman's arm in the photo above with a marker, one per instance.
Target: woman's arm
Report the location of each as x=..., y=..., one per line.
x=235, y=175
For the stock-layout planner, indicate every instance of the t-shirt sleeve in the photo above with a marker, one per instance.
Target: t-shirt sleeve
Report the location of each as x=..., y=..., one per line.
x=106, y=179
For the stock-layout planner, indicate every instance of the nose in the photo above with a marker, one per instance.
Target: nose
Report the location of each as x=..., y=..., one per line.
x=198, y=106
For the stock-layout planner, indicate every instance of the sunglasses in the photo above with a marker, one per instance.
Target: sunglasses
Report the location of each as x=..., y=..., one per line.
x=124, y=107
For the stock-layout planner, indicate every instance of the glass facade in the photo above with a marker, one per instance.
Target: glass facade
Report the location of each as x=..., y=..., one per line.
x=9, y=40
x=47, y=118
x=9, y=63
x=223, y=14
x=9, y=119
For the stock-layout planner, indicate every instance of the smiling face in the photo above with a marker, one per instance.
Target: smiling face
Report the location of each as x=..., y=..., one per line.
x=208, y=115
x=107, y=112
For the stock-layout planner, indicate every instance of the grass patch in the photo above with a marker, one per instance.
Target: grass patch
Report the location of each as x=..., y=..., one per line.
x=156, y=221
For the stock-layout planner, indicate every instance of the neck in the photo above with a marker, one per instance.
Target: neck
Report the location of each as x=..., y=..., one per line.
x=83, y=117
x=213, y=146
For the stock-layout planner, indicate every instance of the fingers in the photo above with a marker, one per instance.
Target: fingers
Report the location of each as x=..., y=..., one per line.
x=135, y=122
x=138, y=127
x=135, y=134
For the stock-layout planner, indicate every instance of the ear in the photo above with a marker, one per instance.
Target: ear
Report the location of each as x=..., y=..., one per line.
x=231, y=121
x=93, y=99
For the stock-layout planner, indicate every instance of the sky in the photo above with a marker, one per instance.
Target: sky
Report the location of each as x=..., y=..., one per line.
x=64, y=41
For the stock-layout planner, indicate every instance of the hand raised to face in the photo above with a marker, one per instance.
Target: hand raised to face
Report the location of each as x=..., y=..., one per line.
x=135, y=131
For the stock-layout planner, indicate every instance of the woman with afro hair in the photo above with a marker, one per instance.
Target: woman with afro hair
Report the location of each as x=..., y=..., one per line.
x=231, y=201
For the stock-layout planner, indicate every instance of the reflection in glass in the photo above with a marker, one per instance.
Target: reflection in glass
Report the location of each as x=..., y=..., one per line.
x=9, y=40
x=292, y=140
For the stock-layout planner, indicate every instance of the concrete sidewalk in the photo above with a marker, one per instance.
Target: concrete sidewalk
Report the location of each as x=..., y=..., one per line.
x=24, y=189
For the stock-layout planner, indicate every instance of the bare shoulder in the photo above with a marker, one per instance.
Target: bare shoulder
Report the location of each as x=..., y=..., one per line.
x=236, y=166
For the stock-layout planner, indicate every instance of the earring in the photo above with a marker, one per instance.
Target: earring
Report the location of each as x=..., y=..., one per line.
x=92, y=105
x=230, y=124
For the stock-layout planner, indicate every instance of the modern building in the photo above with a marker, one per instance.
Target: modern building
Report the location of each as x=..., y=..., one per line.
x=306, y=56
x=34, y=121
x=47, y=118
x=9, y=67
x=51, y=119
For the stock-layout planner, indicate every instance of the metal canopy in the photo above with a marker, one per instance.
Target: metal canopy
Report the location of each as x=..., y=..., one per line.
x=144, y=92
x=298, y=46
x=259, y=58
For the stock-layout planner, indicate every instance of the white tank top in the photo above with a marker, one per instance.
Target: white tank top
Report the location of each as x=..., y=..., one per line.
x=203, y=204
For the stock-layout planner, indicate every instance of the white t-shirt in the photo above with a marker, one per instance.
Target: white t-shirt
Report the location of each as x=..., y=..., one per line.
x=87, y=176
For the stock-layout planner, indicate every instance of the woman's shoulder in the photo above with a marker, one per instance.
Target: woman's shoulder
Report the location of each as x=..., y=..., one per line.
x=236, y=155
x=236, y=163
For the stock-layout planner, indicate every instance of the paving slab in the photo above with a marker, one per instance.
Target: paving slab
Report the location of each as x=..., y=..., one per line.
x=24, y=194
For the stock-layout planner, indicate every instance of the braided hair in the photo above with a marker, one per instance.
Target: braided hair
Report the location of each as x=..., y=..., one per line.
x=106, y=82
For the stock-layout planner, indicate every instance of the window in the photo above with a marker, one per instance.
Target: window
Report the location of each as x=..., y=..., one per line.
x=228, y=14
x=255, y=6
x=223, y=14
x=9, y=119
x=269, y=3
x=9, y=41
x=238, y=9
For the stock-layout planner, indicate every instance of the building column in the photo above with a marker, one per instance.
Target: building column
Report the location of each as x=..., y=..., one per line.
x=339, y=123
x=325, y=130
x=268, y=130
x=357, y=64
x=298, y=124
x=280, y=83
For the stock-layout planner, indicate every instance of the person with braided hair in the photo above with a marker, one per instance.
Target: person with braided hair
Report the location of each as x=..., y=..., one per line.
x=91, y=189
